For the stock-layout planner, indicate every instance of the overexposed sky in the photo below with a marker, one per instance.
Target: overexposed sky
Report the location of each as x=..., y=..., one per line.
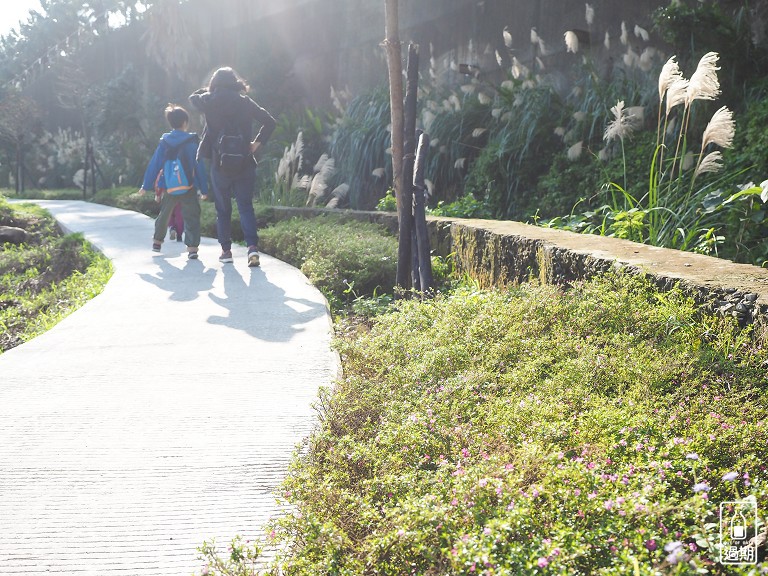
x=13, y=11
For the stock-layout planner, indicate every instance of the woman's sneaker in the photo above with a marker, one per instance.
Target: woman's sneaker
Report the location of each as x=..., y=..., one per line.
x=156, y=246
x=253, y=256
x=226, y=256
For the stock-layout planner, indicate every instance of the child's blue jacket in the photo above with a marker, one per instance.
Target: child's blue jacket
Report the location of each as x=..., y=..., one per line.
x=187, y=153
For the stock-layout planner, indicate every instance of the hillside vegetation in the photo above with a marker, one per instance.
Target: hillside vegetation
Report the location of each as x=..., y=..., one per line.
x=46, y=278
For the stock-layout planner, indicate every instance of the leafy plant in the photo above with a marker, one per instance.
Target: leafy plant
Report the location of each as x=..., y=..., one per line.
x=684, y=205
x=388, y=203
x=465, y=207
x=344, y=259
x=360, y=142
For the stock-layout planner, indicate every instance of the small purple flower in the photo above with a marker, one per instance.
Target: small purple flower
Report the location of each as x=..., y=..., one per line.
x=672, y=546
x=701, y=487
x=730, y=476
x=692, y=456
x=651, y=545
x=543, y=562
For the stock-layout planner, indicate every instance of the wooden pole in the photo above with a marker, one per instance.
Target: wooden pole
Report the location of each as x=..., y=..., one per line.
x=426, y=281
x=19, y=167
x=395, y=68
x=405, y=246
x=85, y=168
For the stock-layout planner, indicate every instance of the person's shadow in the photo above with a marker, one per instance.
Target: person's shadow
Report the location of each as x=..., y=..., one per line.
x=184, y=284
x=261, y=308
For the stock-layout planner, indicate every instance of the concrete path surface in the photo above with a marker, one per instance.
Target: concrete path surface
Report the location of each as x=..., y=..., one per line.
x=161, y=414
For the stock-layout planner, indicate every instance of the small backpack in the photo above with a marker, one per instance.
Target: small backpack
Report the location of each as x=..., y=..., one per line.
x=233, y=151
x=177, y=180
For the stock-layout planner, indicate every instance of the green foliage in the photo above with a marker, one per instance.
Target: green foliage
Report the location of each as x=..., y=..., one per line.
x=465, y=207
x=128, y=199
x=567, y=184
x=243, y=560
x=388, y=203
x=519, y=149
x=123, y=113
x=344, y=259
x=297, y=142
x=678, y=205
x=530, y=431
x=751, y=140
x=359, y=143
x=457, y=123
x=46, y=278
x=692, y=29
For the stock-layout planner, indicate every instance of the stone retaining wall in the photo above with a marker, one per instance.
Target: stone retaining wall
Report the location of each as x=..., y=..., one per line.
x=497, y=253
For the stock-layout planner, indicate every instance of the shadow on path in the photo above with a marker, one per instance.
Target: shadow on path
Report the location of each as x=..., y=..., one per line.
x=184, y=284
x=245, y=307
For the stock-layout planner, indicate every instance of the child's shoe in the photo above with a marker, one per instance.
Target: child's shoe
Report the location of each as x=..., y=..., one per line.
x=253, y=256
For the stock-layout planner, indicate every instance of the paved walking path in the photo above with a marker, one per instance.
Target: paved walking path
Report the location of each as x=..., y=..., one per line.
x=161, y=414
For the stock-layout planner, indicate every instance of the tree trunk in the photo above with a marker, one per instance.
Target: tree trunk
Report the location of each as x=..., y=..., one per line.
x=426, y=282
x=405, y=269
x=395, y=67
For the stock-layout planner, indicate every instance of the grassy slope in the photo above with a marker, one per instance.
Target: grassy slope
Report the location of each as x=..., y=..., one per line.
x=532, y=431
x=45, y=279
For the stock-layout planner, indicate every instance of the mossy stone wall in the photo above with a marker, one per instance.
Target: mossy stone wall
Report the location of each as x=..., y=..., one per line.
x=499, y=253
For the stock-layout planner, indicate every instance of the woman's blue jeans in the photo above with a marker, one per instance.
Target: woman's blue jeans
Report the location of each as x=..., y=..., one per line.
x=241, y=188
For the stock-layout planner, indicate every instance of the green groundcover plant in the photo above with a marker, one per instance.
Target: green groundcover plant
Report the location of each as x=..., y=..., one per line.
x=46, y=278
x=345, y=259
x=539, y=430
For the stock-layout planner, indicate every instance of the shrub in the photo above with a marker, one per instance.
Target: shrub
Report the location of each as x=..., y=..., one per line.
x=344, y=259
x=465, y=207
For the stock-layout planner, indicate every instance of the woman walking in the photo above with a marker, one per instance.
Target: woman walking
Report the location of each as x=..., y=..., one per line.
x=229, y=144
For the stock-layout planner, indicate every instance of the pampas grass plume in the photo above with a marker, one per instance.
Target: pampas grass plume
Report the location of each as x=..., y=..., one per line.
x=712, y=162
x=575, y=151
x=571, y=42
x=704, y=84
x=589, y=15
x=720, y=130
x=676, y=93
x=670, y=72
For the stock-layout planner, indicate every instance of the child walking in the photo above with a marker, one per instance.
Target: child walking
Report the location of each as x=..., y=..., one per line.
x=229, y=143
x=178, y=143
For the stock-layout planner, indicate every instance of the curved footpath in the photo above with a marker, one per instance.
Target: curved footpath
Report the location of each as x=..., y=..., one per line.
x=162, y=413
